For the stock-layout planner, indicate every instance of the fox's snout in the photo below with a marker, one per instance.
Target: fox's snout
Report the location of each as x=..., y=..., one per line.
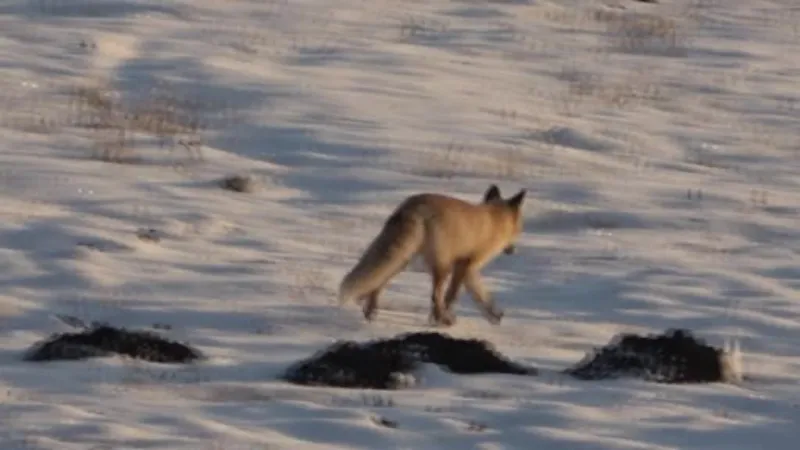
x=510, y=250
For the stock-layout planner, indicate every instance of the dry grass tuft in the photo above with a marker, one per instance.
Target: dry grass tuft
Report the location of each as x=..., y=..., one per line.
x=636, y=87
x=458, y=159
x=29, y=110
x=157, y=114
x=643, y=32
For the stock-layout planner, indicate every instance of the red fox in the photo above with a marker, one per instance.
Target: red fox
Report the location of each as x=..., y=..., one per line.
x=455, y=239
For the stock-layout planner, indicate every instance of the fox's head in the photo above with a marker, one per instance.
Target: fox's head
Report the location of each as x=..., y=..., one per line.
x=514, y=206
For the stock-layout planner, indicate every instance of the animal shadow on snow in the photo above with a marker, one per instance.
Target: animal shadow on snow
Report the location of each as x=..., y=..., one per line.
x=325, y=170
x=591, y=296
x=50, y=247
x=594, y=296
x=48, y=254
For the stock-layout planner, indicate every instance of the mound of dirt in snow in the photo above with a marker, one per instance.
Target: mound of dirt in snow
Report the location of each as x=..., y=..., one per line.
x=104, y=340
x=672, y=357
x=390, y=363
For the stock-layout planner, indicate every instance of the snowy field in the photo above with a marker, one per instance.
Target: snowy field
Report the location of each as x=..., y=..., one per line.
x=658, y=143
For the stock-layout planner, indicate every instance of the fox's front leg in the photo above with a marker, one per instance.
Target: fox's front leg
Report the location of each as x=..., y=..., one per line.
x=474, y=285
x=370, y=304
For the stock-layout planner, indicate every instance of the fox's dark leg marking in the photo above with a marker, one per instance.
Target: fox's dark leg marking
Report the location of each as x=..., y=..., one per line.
x=371, y=304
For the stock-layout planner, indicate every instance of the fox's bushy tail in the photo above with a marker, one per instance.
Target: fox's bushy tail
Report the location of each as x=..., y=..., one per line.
x=390, y=252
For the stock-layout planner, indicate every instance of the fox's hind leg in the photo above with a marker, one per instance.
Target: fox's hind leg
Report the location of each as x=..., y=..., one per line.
x=369, y=302
x=456, y=280
x=439, y=312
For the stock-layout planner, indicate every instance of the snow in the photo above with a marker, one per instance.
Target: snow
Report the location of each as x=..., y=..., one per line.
x=660, y=156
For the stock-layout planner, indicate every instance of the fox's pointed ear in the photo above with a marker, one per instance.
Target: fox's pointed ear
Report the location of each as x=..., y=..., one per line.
x=516, y=201
x=491, y=194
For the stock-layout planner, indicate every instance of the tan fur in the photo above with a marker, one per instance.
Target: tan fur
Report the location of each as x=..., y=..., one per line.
x=455, y=239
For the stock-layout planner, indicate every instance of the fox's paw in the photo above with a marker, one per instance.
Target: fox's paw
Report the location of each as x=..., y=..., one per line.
x=447, y=320
x=370, y=311
x=442, y=320
x=495, y=316
x=432, y=319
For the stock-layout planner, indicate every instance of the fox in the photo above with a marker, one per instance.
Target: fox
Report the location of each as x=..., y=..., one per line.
x=454, y=238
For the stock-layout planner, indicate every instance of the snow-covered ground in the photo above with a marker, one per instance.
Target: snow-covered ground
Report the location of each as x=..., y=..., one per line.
x=660, y=154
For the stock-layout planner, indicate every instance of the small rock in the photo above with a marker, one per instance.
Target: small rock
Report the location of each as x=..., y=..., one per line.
x=384, y=422
x=239, y=183
x=148, y=234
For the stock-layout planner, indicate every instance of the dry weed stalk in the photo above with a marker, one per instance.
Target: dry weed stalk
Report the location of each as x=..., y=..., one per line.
x=445, y=164
x=310, y=282
x=418, y=26
x=561, y=15
x=509, y=163
x=456, y=158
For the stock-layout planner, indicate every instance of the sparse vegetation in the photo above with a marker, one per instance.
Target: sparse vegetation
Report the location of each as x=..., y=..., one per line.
x=414, y=26
x=158, y=113
x=643, y=32
x=626, y=91
x=458, y=159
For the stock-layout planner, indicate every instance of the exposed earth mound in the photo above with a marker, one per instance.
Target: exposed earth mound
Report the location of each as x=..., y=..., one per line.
x=672, y=357
x=104, y=340
x=390, y=363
